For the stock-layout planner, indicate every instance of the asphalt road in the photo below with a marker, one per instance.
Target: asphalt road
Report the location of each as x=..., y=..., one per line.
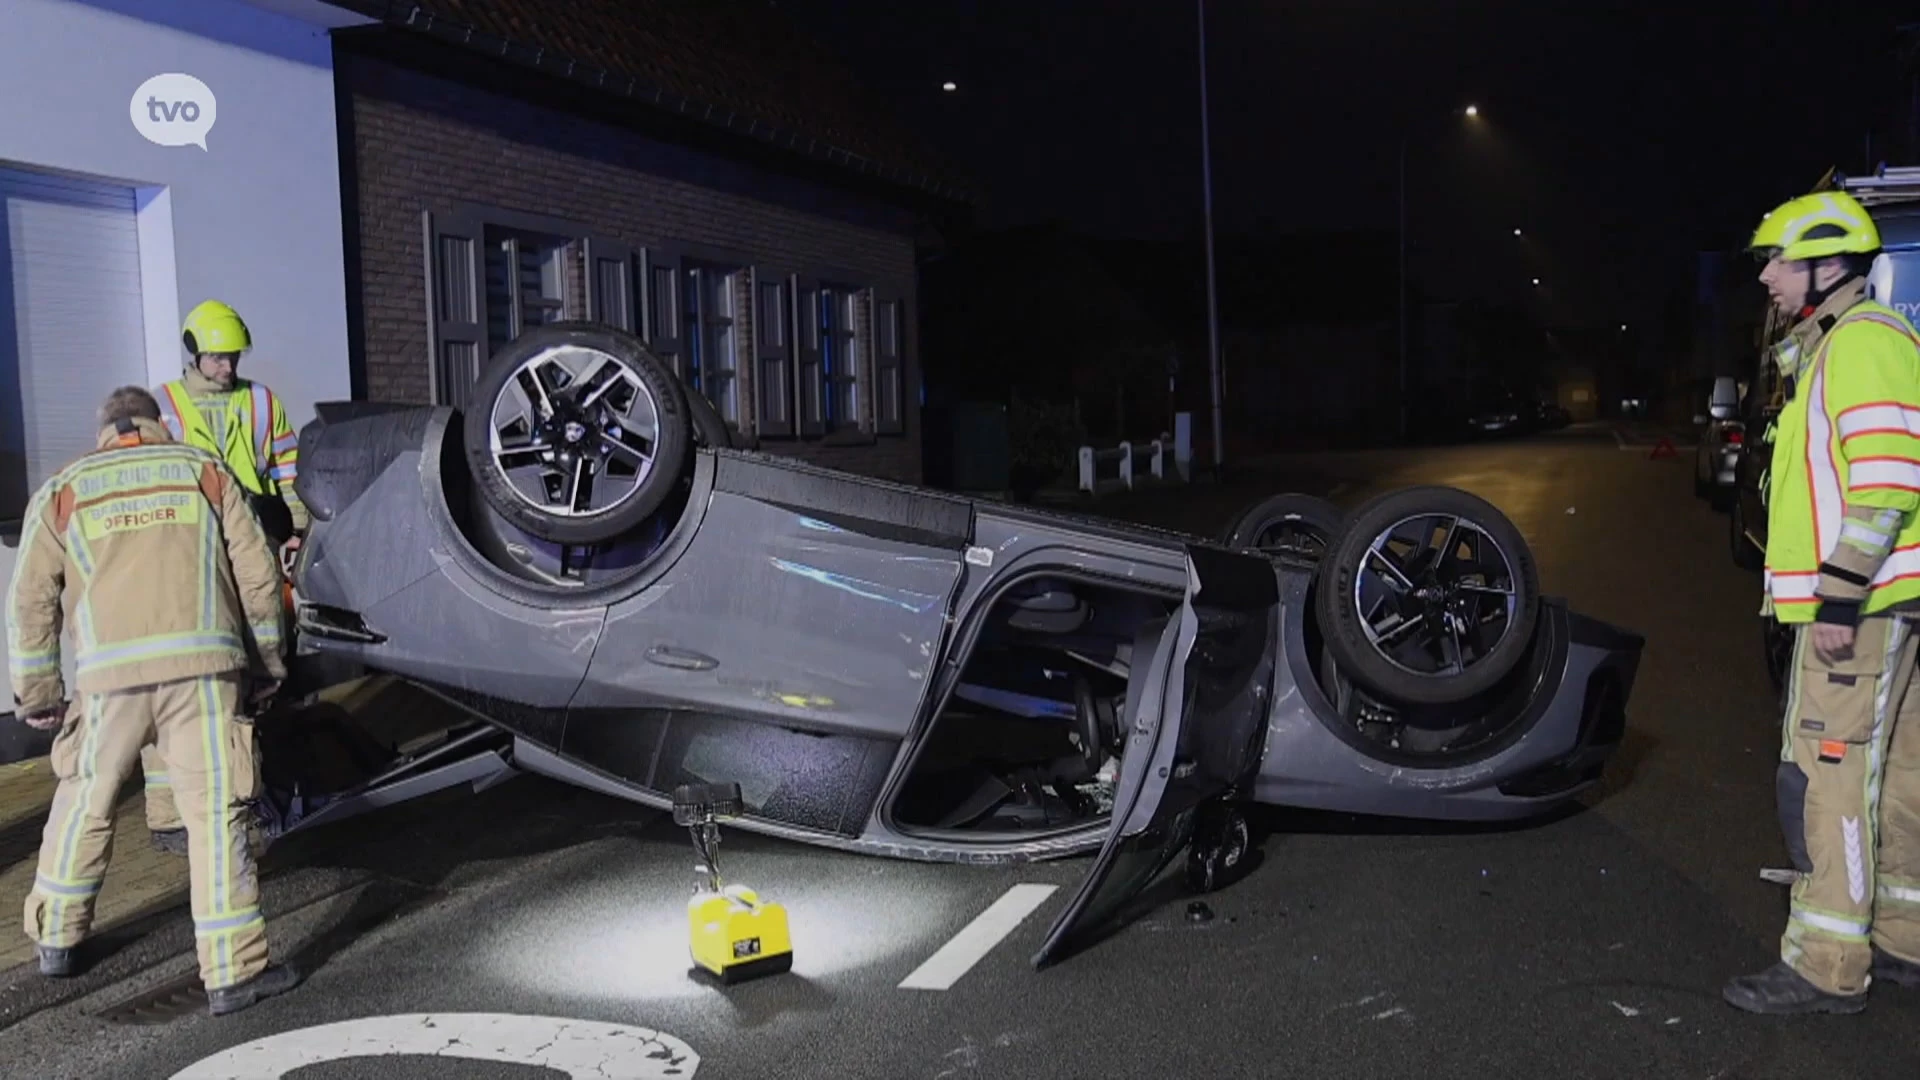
x=1592, y=945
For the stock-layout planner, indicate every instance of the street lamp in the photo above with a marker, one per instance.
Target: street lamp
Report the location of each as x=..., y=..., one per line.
x=1473, y=110
x=1516, y=232
x=949, y=86
x=1536, y=281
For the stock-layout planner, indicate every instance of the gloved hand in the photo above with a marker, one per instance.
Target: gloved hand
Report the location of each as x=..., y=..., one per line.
x=261, y=692
x=289, y=556
x=45, y=720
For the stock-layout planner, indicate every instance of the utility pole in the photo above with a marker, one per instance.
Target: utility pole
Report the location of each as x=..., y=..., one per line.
x=1213, y=314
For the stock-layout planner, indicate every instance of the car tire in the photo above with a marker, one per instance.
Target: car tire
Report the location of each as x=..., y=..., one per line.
x=1315, y=518
x=647, y=373
x=1348, y=568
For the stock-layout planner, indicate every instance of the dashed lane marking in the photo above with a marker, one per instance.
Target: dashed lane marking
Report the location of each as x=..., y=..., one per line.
x=977, y=938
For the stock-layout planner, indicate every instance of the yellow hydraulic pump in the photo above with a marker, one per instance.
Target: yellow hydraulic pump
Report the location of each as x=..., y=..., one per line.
x=733, y=933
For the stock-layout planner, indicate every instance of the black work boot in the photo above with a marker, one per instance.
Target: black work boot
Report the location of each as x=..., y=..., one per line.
x=275, y=979
x=1890, y=968
x=56, y=962
x=1782, y=991
x=172, y=841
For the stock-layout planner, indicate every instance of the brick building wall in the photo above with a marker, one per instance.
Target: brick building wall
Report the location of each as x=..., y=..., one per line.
x=424, y=143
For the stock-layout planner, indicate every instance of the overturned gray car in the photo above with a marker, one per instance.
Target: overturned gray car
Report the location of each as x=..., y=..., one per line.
x=620, y=599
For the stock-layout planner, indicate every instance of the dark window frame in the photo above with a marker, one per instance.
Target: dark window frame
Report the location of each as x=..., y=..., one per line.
x=459, y=236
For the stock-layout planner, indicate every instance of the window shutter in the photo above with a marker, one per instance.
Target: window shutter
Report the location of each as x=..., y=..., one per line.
x=456, y=305
x=889, y=362
x=610, y=292
x=663, y=306
x=810, y=377
x=773, y=352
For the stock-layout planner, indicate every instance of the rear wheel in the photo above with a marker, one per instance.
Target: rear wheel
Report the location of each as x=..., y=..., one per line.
x=1428, y=596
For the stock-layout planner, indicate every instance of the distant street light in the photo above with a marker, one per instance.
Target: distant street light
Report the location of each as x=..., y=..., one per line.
x=1516, y=232
x=1536, y=281
x=1473, y=110
x=949, y=87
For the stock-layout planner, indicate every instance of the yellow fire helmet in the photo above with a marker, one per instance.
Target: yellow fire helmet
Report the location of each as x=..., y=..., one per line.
x=213, y=327
x=1815, y=226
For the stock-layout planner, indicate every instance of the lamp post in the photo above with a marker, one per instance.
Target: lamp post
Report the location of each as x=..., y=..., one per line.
x=1206, y=188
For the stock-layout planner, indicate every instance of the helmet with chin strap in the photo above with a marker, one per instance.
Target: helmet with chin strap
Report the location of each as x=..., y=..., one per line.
x=1819, y=225
x=213, y=327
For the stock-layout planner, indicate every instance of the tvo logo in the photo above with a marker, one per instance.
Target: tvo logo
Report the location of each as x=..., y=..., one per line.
x=173, y=110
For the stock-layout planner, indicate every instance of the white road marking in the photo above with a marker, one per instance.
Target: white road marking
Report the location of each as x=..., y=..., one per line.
x=577, y=1048
x=977, y=938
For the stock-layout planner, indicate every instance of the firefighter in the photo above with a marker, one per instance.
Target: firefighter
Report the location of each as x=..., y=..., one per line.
x=1843, y=571
x=146, y=552
x=243, y=423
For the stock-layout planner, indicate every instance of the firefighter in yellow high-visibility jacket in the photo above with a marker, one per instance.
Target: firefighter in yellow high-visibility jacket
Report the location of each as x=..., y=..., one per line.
x=1843, y=570
x=243, y=423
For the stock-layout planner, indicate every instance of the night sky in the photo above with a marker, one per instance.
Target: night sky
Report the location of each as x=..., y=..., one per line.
x=1620, y=138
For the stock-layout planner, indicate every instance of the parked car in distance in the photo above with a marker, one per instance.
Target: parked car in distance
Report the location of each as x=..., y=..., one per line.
x=1722, y=441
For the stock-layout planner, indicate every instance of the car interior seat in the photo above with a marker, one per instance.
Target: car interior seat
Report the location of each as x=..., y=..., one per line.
x=1046, y=606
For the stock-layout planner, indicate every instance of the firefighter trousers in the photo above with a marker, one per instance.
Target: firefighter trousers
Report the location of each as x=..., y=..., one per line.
x=201, y=739
x=163, y=815
x=1849, y=800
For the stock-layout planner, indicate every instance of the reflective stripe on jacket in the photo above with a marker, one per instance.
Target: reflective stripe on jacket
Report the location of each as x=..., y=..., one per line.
x=1848, y=436
x=149, y=557
x=263, y=453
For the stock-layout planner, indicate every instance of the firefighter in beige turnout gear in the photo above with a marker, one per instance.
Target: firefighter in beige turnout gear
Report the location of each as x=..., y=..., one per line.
x=242, y=422
x=1843, y=569
x=146, y=554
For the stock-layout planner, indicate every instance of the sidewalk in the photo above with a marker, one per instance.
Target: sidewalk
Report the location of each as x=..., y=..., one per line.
x=139, y=880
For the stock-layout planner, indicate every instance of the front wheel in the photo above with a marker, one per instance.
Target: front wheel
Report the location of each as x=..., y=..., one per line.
x=578, y=433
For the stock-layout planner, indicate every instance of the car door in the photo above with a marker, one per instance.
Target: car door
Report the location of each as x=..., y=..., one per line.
x=1198, y=721
x=789, y=649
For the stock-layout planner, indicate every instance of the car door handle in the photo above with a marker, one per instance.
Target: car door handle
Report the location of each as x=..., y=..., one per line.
x=683, y=659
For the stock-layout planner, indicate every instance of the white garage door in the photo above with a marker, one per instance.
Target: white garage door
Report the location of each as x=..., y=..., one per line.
x=70, y=328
